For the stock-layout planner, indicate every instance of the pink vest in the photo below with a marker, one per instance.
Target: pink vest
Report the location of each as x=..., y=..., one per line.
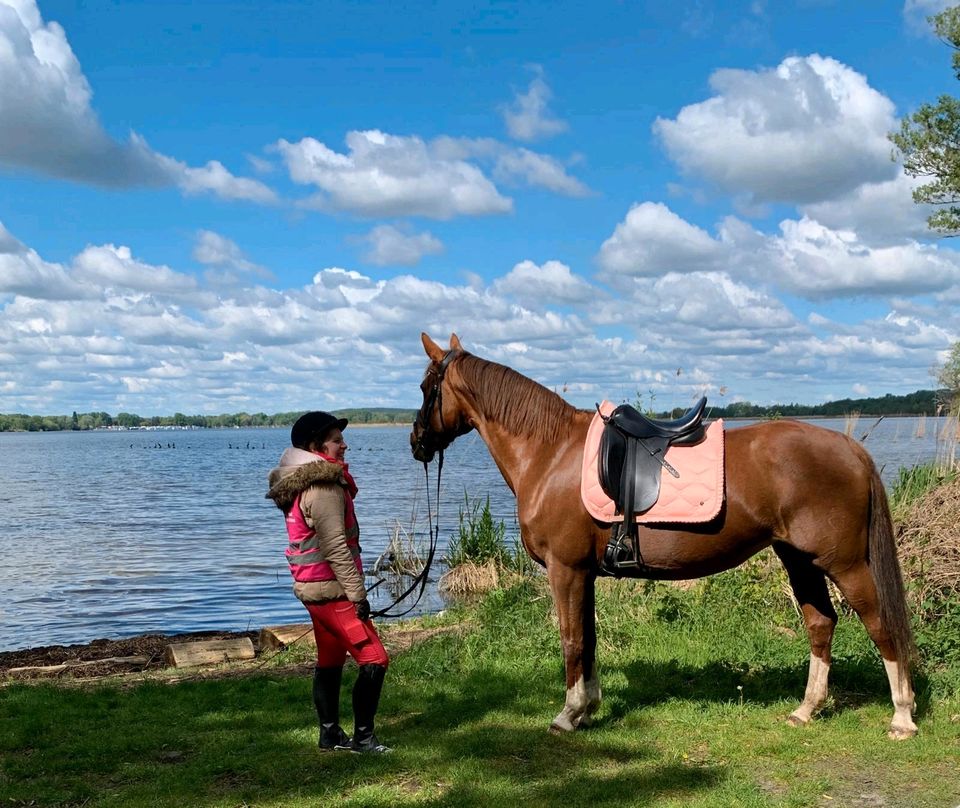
x=303, y=552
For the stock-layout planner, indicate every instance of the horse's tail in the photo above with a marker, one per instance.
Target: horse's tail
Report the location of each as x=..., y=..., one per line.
x=886, y=573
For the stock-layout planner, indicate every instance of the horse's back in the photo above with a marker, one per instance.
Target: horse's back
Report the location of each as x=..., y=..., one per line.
x=793, y=446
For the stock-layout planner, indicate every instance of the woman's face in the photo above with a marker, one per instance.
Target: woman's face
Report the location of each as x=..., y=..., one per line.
x=334, y=446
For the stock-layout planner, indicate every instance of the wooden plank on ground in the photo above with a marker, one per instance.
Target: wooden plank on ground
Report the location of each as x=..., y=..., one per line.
x=38, y=670
x=208, y=652
x=283, y=636
x=41, y=670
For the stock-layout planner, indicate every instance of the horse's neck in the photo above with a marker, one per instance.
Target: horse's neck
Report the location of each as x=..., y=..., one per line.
x=513, y=448
x=507, y=450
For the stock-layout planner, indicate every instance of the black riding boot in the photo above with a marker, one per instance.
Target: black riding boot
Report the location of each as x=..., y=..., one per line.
x=366, y=697
x=326, y=698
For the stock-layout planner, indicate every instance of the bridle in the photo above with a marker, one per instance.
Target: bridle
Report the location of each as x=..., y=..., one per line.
x=433, y=400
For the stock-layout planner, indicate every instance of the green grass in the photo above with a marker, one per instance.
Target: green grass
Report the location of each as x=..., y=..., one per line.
x=696, y=688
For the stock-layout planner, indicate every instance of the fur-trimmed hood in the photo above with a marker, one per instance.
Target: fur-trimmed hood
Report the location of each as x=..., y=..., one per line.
x=297, y=471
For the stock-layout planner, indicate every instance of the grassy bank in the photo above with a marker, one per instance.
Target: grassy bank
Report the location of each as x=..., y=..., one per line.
x=697, y=684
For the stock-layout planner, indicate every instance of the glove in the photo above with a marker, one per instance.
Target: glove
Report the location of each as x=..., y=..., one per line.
x=363, y=610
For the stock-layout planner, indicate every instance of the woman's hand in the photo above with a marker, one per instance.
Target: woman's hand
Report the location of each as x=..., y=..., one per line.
x=363, y=610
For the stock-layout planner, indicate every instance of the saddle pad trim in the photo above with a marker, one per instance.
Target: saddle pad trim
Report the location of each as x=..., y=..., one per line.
x=696, y=496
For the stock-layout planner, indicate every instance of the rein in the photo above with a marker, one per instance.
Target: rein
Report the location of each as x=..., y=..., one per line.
x=434, y=399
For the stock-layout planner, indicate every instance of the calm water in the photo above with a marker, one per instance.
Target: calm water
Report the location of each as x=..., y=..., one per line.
x=112, y=534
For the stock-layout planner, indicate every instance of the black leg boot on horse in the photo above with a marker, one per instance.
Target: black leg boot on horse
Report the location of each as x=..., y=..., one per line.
x=366, y=698
x=326, y=698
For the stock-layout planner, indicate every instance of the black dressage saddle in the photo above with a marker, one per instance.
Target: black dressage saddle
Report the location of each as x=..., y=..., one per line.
x=631, y=460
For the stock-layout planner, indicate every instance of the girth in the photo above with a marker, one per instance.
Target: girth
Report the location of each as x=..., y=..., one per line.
x=631, y=460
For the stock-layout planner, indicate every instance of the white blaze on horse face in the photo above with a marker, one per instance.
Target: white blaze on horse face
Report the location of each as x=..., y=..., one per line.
x=902, y=725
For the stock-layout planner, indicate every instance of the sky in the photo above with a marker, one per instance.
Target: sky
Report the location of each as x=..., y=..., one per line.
x=215, y=207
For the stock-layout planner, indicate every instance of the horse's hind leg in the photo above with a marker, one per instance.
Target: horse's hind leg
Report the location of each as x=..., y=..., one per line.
x=858, y=587
x=810, y=589
x=574, y=598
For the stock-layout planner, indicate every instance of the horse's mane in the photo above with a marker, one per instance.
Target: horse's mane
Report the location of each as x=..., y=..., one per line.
x=512, y=399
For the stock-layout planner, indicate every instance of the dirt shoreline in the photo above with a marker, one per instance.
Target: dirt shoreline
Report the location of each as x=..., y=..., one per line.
x=145, y=653
x=99, y=657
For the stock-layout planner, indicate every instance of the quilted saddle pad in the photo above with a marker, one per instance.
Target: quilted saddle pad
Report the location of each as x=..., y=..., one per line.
x=696, y=496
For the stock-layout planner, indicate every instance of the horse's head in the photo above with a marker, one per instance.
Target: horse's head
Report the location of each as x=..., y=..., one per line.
x=441, y=417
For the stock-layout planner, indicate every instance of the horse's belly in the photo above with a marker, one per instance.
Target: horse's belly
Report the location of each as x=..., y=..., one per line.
x=675, y=555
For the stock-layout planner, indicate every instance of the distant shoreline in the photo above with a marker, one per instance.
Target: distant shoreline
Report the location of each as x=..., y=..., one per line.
x=166, y=428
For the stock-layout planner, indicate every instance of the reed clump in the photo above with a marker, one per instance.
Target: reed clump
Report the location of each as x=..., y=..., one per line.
x=479, y=558
x=403, y=554
x=926, y=507
x=928, y=541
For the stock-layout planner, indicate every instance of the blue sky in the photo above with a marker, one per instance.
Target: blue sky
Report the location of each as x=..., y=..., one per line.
x=211, y=207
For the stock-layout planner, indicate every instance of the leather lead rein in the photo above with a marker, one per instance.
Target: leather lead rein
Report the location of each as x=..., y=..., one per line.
x=423, y=577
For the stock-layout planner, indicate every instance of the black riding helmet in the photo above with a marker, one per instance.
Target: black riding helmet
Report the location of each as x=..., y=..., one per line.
x=312, y=427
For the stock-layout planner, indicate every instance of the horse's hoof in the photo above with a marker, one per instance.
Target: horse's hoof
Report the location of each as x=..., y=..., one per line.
x=557, y=729
x=796, y=721
x=896, y=734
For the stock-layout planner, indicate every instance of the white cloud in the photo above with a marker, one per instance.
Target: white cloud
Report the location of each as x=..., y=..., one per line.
x=213, y=177
x=527, y=117
x=390, y=175
x=806, y=258
x=539, y=286
x=537, y=170
x=653, y=240
x=880, y=213
x=225, y=257
x=814, y=261
x=810, y=130
x=146, y=338
x=716, y=302
x=47, y=123
x=23, y=272
x=510, y=164
x=115, y=267
x=388, y=245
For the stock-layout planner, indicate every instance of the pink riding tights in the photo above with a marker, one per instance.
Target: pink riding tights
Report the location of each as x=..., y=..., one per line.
x=339, y=631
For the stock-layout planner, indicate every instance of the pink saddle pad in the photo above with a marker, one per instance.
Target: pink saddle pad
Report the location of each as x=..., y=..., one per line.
x=696, y=496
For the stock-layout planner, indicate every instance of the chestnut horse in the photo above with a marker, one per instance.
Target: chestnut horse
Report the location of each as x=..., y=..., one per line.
x=812, y=493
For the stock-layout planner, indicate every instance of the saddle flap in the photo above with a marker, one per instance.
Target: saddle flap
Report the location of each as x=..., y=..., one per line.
x=629, y=469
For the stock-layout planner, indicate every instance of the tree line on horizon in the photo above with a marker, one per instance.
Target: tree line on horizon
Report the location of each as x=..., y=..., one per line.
x=19, y=422
x=921, y=402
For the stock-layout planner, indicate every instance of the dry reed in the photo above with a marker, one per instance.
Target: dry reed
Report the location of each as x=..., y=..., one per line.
x=470, y=578
x=928, y=540
x=947, y=439
x=402, y=555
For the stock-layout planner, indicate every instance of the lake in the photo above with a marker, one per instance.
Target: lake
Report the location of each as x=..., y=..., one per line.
x=113, y=534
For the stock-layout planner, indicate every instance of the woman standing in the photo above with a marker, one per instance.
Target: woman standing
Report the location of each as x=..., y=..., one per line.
x=313, y=487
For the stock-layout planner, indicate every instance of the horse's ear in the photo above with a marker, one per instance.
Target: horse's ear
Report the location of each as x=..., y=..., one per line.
x=434, y=351
x=455, y=343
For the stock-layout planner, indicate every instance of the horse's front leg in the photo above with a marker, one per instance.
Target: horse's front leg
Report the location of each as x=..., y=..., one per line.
x=574, y=598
